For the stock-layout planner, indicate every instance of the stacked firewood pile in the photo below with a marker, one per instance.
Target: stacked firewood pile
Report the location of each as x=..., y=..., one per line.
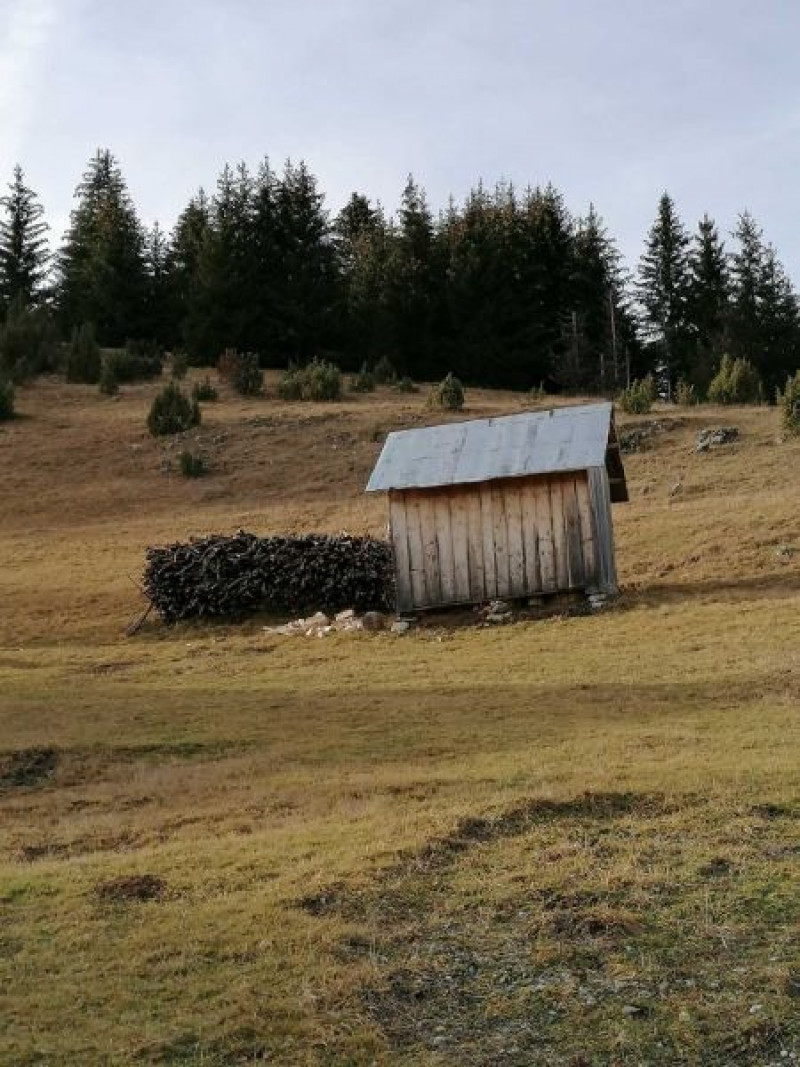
x=230, y=577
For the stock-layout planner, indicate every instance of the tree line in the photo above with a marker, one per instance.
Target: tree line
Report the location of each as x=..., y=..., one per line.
x=507, y=288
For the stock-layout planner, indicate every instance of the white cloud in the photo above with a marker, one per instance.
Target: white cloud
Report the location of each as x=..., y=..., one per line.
x=26, y=27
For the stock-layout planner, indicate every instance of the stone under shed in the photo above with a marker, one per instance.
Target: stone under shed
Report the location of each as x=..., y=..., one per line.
x=503, y=508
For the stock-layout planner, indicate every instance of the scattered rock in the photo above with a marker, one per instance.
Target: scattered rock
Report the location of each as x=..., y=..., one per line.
x=676, y=488
x=495, y=618
x=785, y=552
x=345, y=616
x=402, y=626
x=713, y=438
x=637, y=437
x=373, y=621
x=499, y=607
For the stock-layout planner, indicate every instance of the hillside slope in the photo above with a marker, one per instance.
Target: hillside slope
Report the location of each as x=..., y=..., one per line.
x=561, y=842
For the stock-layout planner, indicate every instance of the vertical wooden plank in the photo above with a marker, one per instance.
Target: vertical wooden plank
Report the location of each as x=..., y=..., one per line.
x=604, y=532
x=544, y=527
x=487, y=538
x=459, y=526
x=443, y=526
x=430, y=549
x=416, y=553
x=477, y=582
x=530, y=536
x=572, y=522
x=559, y=532
x=500, y=538
x=587, y=529
x=514, y=538
x=402, y=562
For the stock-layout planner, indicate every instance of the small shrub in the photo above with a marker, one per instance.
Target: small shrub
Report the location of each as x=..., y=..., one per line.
x=384, y=372
x=736, y=382
x=248, y=378
x=204, y=392
x=686, y=394
x=321, y=381
x=364, y=381
x=193, y=465
x=789, y=404
x=637, y=399
x=172, y=412
x=448, y=394
x=405, y=385
x=318, y=381
x=6, y=399
x=109, y=382
x=27, y=342
x=290, y=387
x=83, y=361
x=179, y=365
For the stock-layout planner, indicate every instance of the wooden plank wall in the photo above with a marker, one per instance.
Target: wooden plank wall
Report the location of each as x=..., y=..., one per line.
x=511, y=538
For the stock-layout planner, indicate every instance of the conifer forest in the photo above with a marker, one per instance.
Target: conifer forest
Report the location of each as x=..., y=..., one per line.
x=508, y=288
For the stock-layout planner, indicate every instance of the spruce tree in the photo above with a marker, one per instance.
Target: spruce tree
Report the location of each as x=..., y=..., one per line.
x=159, y=314
x=102, y=275
x=596, y=358
x=663, y=291
x=24, y=253
x=305, y=281
x=708, y=302
x=183, y=268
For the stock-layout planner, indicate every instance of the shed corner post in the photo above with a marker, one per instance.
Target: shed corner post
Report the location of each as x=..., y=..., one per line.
x=600, y=494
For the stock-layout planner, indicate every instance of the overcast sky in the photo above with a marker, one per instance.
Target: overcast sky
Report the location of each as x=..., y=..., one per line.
x=611, y=100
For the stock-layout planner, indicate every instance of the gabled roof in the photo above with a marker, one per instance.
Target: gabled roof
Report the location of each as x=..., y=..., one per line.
x=512, y=446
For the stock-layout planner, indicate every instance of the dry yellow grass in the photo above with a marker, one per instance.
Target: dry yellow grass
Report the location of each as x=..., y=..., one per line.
x=564, y=842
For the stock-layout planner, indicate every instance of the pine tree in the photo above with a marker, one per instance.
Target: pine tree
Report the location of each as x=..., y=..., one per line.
x=101, y=266
x=765, y=319
x=362, y=241
x=219, y=308
x=708, y=302
x=410, y=283
x=597, y=355
x=183, y=267
x=159, y=315
x=663, y=290
x=306, y=289
x=24, y=253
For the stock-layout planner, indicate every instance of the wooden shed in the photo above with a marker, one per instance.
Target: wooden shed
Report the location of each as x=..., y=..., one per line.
x=508, y=507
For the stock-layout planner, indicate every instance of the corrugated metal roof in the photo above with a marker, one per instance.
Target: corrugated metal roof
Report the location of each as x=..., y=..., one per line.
x=534, y=442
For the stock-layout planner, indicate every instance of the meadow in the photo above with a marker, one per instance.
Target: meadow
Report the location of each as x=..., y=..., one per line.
x=573, y=841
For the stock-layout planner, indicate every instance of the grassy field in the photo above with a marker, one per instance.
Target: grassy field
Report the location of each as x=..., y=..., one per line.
x=573, y=841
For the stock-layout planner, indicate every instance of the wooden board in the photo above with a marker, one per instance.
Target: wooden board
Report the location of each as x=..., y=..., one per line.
x=572, y=524
x=514, y=539
x=477, y=581
x=559, y=532
x=430, y=549
x=530, y=537
x=544, y=526
x=402, y=560
x=445, y=562
x=500, y=539
x=487, y=536
x=416, y=552
x=459, y=529
x=587, y=529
